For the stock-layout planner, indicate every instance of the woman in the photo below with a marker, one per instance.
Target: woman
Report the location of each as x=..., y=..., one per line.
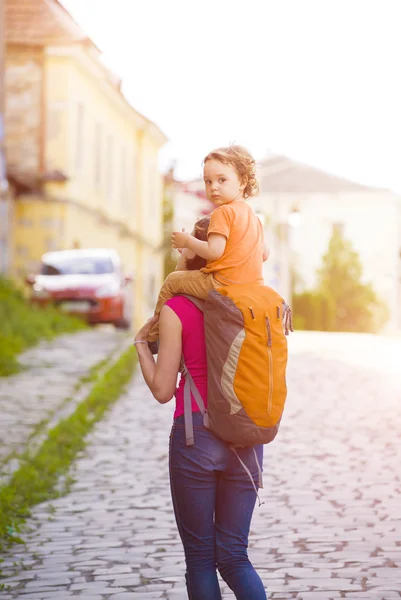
x=212, y=495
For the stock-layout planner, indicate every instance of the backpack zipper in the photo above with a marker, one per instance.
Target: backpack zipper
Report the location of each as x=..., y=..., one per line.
x=270, y=356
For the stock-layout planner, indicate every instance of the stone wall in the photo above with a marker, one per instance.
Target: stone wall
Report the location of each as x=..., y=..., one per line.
x=23, y=108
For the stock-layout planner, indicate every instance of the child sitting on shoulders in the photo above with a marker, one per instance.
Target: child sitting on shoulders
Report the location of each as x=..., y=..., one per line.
x=234, y=249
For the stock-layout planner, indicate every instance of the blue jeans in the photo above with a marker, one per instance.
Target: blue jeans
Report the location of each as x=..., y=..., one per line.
x=213, y=501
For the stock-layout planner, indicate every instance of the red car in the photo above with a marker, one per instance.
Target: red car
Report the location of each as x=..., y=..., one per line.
x=88, y=282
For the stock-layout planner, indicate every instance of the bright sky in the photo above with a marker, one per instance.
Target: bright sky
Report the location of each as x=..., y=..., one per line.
x=316, y=80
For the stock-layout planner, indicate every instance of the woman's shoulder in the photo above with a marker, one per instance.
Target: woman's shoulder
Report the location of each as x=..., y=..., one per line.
x=182, y=306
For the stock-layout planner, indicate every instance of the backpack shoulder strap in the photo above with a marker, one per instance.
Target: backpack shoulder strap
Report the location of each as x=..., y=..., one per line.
x=190, y=387
x=197, y=301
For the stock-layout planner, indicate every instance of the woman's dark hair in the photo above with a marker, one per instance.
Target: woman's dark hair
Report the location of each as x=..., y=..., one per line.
x=200, y=232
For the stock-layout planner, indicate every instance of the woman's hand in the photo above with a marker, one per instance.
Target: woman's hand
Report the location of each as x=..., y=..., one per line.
x=182, y=259
x=142, y=335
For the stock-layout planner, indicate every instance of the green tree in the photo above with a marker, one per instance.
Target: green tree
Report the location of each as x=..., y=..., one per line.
x=313, y=311
x=353, y=305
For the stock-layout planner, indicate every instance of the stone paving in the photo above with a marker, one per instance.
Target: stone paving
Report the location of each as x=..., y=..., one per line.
x=51, y=374
x=330, y=525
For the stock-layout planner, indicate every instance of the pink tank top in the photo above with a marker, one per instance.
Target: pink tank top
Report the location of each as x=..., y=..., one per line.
x=193, y=349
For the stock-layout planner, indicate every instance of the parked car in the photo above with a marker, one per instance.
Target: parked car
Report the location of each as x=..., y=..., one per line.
x=88, y=282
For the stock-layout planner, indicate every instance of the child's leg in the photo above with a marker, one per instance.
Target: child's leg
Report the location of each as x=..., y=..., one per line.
x=193, y=283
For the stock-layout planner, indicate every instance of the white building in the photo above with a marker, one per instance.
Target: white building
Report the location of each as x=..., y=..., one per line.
x=190, y=204
x=303, y=205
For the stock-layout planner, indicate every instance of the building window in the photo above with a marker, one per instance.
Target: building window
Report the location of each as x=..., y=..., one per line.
x=50, y=223
x=132, y=178
x=50, y=244
x=98, y=153
x=151, y=197
x=123, y=181
x=79, y=150
x=22, y=251
x=25, y=222
x=110, y=167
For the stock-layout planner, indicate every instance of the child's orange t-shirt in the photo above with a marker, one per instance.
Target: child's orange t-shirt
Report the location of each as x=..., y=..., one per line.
x=242, y=260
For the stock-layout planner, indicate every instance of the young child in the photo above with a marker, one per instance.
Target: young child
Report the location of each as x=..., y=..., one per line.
x=234, y=249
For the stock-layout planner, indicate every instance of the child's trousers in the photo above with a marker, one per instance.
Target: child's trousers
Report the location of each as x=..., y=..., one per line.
x=192, y=283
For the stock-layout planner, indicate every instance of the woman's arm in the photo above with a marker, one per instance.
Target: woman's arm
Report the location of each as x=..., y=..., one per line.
x=161, y=377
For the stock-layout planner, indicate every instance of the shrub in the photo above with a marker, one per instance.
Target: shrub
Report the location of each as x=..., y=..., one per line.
x=313, y=311
x=23, y=324
x=341, y=300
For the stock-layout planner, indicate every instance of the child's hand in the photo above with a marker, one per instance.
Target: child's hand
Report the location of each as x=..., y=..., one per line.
x=179, y=239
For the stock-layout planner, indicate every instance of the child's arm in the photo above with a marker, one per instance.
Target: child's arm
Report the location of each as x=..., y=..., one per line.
x=210, y=250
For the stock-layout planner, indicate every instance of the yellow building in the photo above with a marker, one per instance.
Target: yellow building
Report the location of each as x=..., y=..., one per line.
x=85, y=160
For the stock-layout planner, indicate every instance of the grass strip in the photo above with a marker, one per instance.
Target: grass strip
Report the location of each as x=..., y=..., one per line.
x=23, y=324
x=37, y=477
x=87, y=379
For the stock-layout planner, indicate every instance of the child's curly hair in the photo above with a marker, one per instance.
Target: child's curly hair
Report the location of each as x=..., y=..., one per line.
x=243, y=162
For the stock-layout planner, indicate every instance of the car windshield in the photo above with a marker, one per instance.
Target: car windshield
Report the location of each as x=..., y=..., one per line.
x=77, y=266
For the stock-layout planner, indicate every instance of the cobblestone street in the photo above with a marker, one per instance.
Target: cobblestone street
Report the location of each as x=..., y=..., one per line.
x=330, y=525
x=48, y=387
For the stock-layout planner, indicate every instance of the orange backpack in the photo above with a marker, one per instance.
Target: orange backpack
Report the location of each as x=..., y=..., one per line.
x=245, y=327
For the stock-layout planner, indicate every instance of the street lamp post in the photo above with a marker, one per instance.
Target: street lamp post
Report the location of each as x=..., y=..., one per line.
x=293, y=221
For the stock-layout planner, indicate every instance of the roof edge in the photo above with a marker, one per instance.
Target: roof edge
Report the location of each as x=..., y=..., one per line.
x=288, y=162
